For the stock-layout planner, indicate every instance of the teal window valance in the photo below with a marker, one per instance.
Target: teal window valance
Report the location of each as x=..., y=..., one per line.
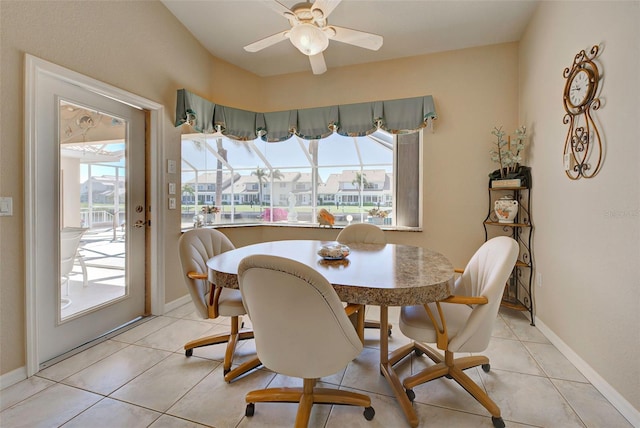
x=395, y=116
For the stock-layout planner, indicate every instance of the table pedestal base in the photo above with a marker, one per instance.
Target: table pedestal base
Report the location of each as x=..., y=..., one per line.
x=386, y=367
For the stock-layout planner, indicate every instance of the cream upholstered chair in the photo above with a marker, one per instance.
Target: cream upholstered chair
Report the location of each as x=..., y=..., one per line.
x=69, y=255
x=196, y=247
x=463, y=322
x=301, y=330
x=364, y=233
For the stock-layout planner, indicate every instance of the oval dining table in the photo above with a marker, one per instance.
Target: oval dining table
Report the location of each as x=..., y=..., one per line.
x=372, y=274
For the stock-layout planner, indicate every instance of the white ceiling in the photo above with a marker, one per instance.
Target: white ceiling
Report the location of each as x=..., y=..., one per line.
x=409, y=28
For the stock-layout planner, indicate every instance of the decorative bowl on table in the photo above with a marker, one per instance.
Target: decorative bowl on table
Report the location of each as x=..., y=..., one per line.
x=333, y=251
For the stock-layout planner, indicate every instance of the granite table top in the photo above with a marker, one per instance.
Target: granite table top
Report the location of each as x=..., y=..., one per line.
x=372, y=274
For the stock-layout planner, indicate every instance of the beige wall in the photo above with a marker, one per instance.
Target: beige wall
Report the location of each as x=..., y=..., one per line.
x=587, y=238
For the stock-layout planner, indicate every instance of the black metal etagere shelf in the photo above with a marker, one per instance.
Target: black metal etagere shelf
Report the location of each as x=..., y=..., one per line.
x=518, y=292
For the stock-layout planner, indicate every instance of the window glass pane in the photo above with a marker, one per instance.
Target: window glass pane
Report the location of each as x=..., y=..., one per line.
x=337, y=150
x=376, y=149
x=263, y=182
x=239, y=153
x=287, y=153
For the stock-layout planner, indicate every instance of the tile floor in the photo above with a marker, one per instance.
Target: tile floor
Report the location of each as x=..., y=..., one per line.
x=141, y=378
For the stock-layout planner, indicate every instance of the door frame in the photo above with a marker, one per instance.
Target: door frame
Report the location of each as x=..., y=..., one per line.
x=35, y=67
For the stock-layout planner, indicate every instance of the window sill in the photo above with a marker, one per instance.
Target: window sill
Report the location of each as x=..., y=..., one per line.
x=302, y=226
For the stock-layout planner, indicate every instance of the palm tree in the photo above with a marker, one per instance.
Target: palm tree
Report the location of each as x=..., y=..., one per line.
x=276, y=174
x=361, y=180
x=361, y=183
x=189, y=190
x=261, y=174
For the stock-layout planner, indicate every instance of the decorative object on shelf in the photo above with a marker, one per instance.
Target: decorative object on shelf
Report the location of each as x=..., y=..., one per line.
x=506, y=183
x=293, y=215
x=377, y=212
x=334, y=251
x=377, y=215
x=520, y=177
x=279, y=214
x=506, y=209
x=325, y=218
x=583, y=145
x=508, y=153
x=518, y=292
x=210, y=209
x=208, y=212
x=198, y=220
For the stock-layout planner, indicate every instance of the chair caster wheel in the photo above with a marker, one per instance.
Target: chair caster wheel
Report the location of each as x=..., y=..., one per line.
x=486, y=367
x=225, y=371
x=417, y=352
x=497, y=422
x=448, y=376
x=389, y=332
x=369, y=413
x=250, y=409
x=411, y=395
x=188, y=352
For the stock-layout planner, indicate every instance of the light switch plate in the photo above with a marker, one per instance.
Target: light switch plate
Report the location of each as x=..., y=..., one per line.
x=172, y=203
x=171, y=166
x=172, y=188
x=6, y=206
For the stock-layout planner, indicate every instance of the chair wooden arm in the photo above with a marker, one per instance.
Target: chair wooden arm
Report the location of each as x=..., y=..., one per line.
x=467, y=300
x=197, y=275
x=458, y=270
x=442, y=337
x=354, y=308
x=214, y=295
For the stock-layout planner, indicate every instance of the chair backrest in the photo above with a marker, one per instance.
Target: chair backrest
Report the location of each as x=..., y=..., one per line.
x=196, y=246
x=69, y=243
x=299, y=324
x=485, y=275
x=365, y=233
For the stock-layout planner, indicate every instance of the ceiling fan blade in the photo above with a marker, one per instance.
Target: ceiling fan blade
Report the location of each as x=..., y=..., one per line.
x=356, y=38
x=266, y=42
x=281, y=9
x=326, y=6
x=277, y=6
x=317, y=63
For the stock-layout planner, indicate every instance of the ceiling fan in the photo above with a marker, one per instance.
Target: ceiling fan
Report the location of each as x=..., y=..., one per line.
x=310, y=32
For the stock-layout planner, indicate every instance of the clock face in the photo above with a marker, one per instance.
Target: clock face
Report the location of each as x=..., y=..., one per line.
x=579, y=89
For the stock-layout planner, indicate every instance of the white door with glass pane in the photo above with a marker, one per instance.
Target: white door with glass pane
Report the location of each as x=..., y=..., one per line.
x=89, y=215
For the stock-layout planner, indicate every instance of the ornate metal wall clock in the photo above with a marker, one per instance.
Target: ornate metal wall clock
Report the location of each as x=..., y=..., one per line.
x=583, y=146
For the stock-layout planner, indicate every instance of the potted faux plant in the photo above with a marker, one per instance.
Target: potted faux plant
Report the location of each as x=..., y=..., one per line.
x=377, y=215
x=508, y=154
x=209, y=211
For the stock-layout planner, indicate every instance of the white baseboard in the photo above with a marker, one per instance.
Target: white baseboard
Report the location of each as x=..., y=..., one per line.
x=618, y=401
x=13, y=377
x=177, y=303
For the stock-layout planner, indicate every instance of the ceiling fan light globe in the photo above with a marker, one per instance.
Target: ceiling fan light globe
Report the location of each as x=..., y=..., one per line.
x=309, y=39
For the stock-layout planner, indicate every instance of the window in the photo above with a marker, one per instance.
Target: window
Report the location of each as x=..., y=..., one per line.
x=255, y=181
